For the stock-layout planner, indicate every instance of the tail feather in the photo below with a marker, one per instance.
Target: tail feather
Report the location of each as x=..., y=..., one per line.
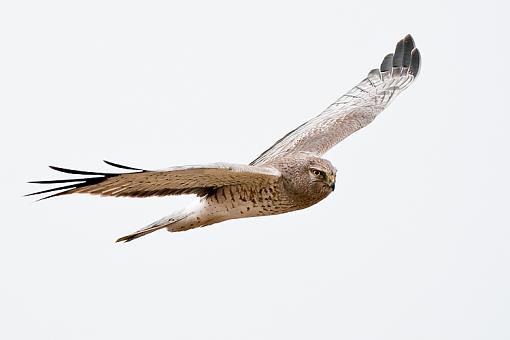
x=139, y=233
x=162, y=223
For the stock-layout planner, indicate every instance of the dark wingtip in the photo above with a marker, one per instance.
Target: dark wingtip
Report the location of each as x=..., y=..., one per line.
x=120, y=166
x=415, y=62
x=56, y=181
x=53, y=195
x=408, y=48
x=49, y=196
x=399, y=54
x=387, y=63
x=71, y=186
x=79, y=172
x=72, y=183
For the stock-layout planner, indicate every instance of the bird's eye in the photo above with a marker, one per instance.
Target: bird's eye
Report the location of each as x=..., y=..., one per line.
x=316, y=172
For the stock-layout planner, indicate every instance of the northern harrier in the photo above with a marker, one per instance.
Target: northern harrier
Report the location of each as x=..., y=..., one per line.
x=288, y=176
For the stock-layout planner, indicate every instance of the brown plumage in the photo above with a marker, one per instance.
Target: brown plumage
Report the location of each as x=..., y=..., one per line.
x=288, y=176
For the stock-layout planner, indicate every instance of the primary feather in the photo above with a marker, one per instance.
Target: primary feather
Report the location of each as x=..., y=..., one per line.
x=179, y=180
x=354, y=110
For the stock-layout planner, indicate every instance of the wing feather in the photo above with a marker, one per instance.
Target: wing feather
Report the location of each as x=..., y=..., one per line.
x=197, y=179
x=354, y=110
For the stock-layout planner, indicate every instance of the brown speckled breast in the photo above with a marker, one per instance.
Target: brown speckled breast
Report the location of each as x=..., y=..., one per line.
x=239, y=201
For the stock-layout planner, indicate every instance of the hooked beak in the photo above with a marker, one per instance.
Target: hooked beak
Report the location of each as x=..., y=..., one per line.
x=332, y=181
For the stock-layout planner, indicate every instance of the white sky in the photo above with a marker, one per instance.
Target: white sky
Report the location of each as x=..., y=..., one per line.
x=413, y=244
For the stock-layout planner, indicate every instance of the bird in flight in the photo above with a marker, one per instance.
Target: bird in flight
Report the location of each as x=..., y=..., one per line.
x=290, y=175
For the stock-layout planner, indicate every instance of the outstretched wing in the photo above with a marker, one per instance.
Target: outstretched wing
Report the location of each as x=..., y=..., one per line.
x=353, y=110
x=197, y=179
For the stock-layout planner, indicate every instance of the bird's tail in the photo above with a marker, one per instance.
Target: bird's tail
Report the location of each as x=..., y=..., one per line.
x=176, y=221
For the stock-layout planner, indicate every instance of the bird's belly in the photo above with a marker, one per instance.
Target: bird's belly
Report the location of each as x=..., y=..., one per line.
x=238, y=202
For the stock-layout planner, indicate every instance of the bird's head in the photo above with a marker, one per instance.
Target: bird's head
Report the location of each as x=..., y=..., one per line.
x=322, y=173
x=309, y=178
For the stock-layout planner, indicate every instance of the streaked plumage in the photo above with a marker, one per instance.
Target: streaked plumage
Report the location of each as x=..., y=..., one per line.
x=288, y=176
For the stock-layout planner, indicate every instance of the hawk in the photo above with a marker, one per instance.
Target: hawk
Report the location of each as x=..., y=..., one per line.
x=290, y=175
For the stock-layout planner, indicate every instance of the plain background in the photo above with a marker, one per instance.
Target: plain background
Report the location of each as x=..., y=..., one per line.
x=413, y=244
